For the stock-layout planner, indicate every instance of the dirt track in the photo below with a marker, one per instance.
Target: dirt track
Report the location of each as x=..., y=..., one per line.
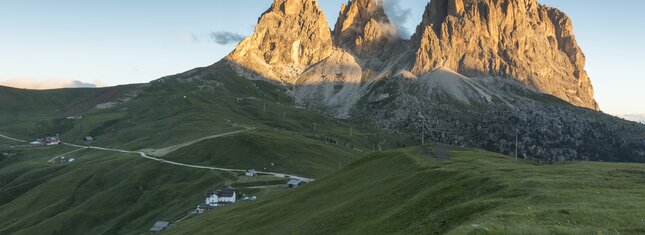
x=173, y=148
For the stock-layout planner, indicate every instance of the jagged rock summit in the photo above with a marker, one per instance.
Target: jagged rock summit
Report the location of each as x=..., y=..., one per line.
x=364, y=28
x=518, y=39
x=289, y=37
x=332, y=70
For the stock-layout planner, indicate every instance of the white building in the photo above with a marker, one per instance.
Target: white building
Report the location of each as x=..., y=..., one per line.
x=212, y=199
x=295, y=183
x=221, y=196
x=251, y=173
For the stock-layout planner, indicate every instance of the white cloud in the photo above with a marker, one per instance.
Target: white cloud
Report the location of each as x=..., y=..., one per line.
x=635, y=117
x=31, y=83
x=225, y=38
x=219, y=37
x=398, y=15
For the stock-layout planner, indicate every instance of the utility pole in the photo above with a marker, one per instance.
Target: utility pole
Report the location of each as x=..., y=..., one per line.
x=423, y=128
x=423, y=134
x=516, y=141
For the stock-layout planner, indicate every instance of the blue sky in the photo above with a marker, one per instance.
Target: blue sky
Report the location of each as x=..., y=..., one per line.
x=135, y=41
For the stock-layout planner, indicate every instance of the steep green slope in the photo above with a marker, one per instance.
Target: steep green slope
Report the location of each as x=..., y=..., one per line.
x=30, y=112
x=107, y=192
x=173, y=111
x=414, y=191
x=103, y=193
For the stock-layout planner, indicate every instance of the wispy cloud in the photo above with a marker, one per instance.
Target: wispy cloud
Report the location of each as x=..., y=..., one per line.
x=31, y=83
x=219, y=37
x=398, y=16
x=635, y=117
x=225, y=38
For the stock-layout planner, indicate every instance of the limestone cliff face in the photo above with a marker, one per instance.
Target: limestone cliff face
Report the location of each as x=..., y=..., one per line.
x=364, y=28
x=518, y=39
x=289, y=37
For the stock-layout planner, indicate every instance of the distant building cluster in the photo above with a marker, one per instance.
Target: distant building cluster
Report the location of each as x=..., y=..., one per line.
x=222, y=197
x=49, y=140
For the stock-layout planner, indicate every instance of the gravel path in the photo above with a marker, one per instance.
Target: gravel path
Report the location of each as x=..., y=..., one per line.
x=172, y=148
x=165, y=151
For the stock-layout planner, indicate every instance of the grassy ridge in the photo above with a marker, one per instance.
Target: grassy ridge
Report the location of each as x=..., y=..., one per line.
x=108, y=193
x=409, y=191
x=26, y=113
x=173, y=111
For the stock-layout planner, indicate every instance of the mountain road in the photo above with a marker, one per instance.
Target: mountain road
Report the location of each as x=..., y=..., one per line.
x=170, y=149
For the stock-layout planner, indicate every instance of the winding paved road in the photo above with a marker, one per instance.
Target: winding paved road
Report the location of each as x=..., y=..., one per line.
x=173, y=148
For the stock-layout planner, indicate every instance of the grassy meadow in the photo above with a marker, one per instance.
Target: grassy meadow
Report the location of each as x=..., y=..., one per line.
x=411, y=191
x=115, y=193
x=358, y=190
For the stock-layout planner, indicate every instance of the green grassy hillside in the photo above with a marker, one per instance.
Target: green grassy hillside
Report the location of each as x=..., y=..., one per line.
x=403, y=191
x=414, y=191
x=103, y=193
x=173, y=111
x=30, y=112
x=109, y=192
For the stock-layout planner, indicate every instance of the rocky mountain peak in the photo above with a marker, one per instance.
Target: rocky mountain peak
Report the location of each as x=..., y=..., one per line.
x=289, y=37
x=291, y=7
x=510, y=39
x=364, y=28
x=518, y=39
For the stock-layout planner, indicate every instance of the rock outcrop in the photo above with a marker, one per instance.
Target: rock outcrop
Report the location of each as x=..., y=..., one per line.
x=364, y=28
x=510, y=39
x=334, y=85
x=518, y=39
x=289, y=37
